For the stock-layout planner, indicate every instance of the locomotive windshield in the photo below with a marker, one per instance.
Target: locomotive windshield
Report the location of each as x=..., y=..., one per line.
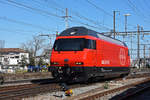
x=74, y=44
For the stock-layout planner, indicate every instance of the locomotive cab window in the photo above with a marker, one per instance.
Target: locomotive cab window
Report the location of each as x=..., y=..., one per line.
x=69, y=44
x=74, y=44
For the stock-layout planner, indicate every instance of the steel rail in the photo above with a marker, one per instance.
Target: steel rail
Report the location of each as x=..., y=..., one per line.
x=96, y=94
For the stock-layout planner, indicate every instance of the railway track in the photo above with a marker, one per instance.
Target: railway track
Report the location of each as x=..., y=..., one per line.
x=21, y=91
x=75, y=86
x=132, y=93
x=28, y=90
x=100, y=93
x=26, y=81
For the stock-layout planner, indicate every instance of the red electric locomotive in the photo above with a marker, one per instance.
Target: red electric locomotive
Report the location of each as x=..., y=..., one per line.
x=80, y=54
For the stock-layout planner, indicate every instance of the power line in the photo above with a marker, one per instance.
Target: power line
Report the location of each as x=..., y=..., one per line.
x=147, y=4
x=22, y=23
x=79, y=22
x=131, y=32
x=66, y=18
x=133, y=7
x=82, y=17
x=38, y=10
x=136, y=10
x=26, y=9
x=98, y=8
x=16, y=30
x=31, y=8
x=91, y=21
x=56, y=4
x=56, y=8
x=141, y=4
x=34, y=9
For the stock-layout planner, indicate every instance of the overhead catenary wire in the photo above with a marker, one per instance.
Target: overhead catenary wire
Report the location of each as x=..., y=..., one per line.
x=147, y=5
x=134, y=8
x=79, y=22
x=22, y=23
x=20, y=7
x=17, y=30
x=138, y=12
x=81, y=17
x=56, y=8
x=34, y=9
x=38, y=10
x=102, y=10
x=98, y=8
x=91, y=21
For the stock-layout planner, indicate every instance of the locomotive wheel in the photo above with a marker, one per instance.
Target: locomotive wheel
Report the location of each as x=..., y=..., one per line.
x=1, y=80
x=83, y=78
x=55, y=74
x=123, y=75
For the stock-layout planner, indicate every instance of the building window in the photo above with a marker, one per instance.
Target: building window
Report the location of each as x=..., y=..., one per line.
x=5, y=59
x=16, y=56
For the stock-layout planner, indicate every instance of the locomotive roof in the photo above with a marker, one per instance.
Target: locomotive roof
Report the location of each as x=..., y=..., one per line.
x=82, y=31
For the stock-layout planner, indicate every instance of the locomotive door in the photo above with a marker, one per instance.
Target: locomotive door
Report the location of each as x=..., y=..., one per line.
x=94, y=58
x=94, y=52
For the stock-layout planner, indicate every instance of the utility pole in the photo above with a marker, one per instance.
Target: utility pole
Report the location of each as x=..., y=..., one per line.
x=144, y=51
x=126, y=21
x=131, y=45
x=114, y=22
x=149, y=52
x=2, y=45
x=142, y=32
x=138, y=42
x=125, y=24
x=66, y=18
x=138, y=45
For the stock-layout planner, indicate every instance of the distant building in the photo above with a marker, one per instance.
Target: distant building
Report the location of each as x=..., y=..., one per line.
x=13, y=56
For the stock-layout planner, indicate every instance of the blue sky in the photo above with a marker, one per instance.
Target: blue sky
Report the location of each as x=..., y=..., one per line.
x=21, y=19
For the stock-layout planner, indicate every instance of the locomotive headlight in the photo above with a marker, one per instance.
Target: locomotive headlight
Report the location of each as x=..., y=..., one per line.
x=54, y=63
x=79, y=63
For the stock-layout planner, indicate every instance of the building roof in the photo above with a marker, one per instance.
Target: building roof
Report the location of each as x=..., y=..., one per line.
x=8, y=50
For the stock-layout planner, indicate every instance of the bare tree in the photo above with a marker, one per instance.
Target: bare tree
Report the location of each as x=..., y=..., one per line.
x=34, y=46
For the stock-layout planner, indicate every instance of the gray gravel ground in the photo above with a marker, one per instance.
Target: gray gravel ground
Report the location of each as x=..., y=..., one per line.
x=82, y=90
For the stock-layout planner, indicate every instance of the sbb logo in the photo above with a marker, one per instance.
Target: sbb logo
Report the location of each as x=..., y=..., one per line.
x=122, y=56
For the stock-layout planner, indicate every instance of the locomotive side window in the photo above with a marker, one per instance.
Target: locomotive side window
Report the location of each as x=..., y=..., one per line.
x=90, y=44
x=128, y=53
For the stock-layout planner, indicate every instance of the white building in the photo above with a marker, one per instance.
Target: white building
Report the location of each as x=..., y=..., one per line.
x=12, y=56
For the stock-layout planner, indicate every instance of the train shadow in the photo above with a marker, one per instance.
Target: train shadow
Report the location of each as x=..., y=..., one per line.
x=44, y=81
x=69, y=83
x=53, y=80
x=129, y=93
